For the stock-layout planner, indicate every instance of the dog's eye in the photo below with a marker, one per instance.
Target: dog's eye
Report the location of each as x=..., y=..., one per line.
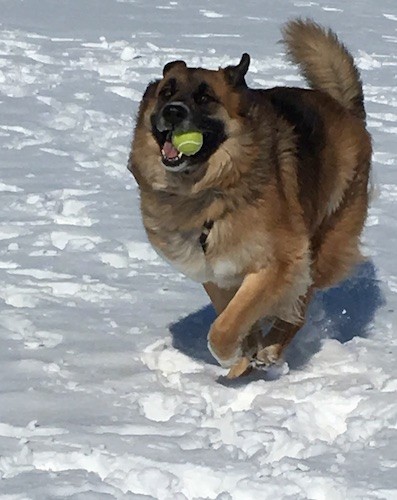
x=167, y=93
x=202, y=99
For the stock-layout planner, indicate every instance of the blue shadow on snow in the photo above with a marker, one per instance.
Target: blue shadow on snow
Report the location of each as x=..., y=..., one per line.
x=341, y=313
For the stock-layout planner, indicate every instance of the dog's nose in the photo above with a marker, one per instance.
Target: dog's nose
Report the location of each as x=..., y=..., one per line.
x=175, y=112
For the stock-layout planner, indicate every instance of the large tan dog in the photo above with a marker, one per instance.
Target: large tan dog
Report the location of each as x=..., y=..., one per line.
x=273, y=204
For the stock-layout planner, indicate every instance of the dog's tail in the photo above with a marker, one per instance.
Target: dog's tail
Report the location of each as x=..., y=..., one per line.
x=325, y=63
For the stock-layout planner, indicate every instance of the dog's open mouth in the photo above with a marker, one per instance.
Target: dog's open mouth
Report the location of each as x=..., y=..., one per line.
x=171, y=157
x=174, y=160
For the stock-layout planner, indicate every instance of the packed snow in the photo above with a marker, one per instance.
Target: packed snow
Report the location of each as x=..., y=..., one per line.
x=107, y=390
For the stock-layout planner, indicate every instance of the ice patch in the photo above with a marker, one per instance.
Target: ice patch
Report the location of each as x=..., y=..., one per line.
x=7, y=232
x=10, y=189
x=367, y=61
x=40, y=274
x=128, y=54
x=391, y=17
x=211, y=14
x=126, y=92
x=140, y=250
x=160, y=407
x=62, y=239
x=114, y=260
x=162, y=357
x=32, y=429
x=19, y=296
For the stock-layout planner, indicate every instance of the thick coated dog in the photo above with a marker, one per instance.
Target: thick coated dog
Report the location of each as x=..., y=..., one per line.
x=273, y=204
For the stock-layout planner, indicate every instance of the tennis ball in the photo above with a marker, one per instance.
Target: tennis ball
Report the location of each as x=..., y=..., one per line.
x=187, y=143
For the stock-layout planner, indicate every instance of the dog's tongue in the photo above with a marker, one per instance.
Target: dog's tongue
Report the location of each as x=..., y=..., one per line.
x=170, y=151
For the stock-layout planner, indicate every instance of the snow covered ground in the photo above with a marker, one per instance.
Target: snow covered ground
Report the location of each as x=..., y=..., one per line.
x=106, y=386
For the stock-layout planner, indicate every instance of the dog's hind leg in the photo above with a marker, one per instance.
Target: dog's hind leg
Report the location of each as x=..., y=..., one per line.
x=271, y=347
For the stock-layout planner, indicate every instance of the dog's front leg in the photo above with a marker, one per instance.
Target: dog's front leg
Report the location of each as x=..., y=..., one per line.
x=220, y=297
x=257, y=296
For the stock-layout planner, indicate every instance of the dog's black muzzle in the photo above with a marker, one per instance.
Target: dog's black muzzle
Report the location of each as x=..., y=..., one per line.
x=174, y=115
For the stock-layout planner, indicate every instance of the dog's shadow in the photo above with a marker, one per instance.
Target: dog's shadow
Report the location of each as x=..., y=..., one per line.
x=341, y=313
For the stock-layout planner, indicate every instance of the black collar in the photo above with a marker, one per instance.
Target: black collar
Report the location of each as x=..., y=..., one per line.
x=207, y=226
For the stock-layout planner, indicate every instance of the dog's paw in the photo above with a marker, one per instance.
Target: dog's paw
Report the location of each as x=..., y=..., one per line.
x=225, y=352
x=268, y=356
x=242, y=367
x=226, y=359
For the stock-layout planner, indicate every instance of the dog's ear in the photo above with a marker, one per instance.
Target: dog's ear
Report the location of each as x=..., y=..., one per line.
x=235, y=74
x=150, y=91
x=173, y=64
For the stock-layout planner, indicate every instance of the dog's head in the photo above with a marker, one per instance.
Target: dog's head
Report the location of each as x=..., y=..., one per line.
x=188, y=99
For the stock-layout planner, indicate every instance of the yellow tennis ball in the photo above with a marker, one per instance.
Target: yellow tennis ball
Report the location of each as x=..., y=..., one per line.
x=188, y=143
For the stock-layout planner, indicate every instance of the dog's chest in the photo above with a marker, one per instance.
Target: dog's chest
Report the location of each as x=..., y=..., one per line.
x=192, y=253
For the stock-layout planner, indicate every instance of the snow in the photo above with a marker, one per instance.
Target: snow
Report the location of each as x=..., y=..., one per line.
x=107, y=389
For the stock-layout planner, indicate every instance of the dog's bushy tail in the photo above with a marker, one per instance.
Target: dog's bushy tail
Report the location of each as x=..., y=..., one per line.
x=325, y=63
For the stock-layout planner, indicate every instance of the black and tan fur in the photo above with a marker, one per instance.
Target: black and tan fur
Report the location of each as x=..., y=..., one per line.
x=283, y=178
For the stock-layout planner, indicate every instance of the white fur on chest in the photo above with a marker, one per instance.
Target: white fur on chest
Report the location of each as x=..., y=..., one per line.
x=187, y=256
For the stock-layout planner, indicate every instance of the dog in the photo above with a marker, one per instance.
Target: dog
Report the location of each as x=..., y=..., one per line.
x=272, y=206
